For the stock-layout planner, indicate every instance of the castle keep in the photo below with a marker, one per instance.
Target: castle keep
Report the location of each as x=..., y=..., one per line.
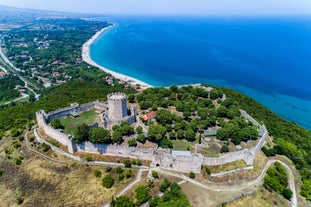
x=114, y=111
x=117, y=106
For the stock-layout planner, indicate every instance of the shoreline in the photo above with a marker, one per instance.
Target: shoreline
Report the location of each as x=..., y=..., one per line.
x=86, y=57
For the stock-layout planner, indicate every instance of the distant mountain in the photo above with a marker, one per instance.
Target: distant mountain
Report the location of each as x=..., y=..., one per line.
x=7, y=12
x=12, y=17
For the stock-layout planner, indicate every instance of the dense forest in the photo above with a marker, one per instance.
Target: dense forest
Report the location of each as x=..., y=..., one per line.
x=19, y=116
x=7, y=85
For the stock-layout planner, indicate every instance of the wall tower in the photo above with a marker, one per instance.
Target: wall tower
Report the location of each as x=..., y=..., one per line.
x=117, y=108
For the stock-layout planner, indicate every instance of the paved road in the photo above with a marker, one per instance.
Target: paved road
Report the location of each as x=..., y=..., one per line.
x=27, y=83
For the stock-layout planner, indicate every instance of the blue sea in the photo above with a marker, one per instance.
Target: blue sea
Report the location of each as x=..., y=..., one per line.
x=266, y=58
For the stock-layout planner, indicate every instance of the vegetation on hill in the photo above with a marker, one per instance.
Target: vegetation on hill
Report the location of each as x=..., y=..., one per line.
x=16, y=118
x=7, y=85
x=290, y=139
x=184, y=112
x=172, y=196
x=277, y=180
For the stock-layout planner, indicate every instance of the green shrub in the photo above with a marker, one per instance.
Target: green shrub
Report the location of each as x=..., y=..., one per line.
x=31, y=139
x=97, y=173
x=120, y=177
x=288, y=194
x=18, y=161
x=192, y=175
x=45, y=147
x=108, y=169
x=127, y=163
x=107, y=181
x=89, y=158
x=155, y=174
x=224, y=148
x=119, y=170
x=1, y=172
x=16, y=144
x=128, y=173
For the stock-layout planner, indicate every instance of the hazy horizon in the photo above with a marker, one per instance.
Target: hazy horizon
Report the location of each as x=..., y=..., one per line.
x=169, y=7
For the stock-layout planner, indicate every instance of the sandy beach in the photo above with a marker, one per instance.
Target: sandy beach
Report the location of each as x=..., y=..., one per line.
x=87, y=58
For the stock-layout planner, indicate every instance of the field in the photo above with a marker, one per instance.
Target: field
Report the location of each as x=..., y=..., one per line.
x=87, y=117
x=41, y=182
x=261, y=198
x=183, y=145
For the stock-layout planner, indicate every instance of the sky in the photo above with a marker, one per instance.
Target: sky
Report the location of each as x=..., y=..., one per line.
x=197, y=7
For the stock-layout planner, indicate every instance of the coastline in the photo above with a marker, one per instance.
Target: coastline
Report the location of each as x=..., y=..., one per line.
x=86, y=57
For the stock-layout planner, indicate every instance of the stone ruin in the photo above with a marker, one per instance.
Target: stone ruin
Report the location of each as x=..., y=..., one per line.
x=115, y=111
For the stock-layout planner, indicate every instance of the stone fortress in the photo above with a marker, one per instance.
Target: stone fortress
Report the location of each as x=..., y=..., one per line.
x=118, y=111
x=114, y=111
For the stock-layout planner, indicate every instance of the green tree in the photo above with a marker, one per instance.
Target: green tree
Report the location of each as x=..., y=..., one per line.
x=166, y=143
x=100, y=135
x=190, y=135
x=127, y=163
x=81, y=133
x=164, y=117
x=164, y=185
x=214, y=94
x=142, y=195
x=288, y=194
x=139, y=129
x=119, y=170
x=141, y=138
x=55, y=123
x=132, y=142
x=122, y=201
x=117, y=136
x=108, y=181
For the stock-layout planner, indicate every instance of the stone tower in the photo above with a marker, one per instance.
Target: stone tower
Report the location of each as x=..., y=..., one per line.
x=117, y=108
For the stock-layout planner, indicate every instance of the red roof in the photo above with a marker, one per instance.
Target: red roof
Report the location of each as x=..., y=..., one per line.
x=55, y=62
x=149, y=116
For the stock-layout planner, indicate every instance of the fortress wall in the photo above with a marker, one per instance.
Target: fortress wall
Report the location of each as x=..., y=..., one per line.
x=248, y=155
x=57, y=135
x=90, y=147
x=85, y=107
x=132, y=152
x=158, y=156
x=251, y=119
x=100, y=105
x=56, y=149
x=188, y=163
x=262, y=139
x=60, y=113
x=227, y=158
x=50, y=131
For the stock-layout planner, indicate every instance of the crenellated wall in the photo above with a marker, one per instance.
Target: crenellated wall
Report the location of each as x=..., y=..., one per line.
x=161, y=157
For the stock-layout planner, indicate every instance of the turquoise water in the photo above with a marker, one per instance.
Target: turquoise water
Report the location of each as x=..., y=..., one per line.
x=267, y=59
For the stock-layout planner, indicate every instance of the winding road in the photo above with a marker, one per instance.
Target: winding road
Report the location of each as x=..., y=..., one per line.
x=216, y=188
x=26, y=82
x=258, y=180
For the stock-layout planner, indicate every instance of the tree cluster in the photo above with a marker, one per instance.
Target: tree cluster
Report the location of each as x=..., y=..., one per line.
x=290, y=139
x=276, y=180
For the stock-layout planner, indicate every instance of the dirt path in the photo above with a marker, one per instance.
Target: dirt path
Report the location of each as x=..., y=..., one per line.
x=258, y=180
